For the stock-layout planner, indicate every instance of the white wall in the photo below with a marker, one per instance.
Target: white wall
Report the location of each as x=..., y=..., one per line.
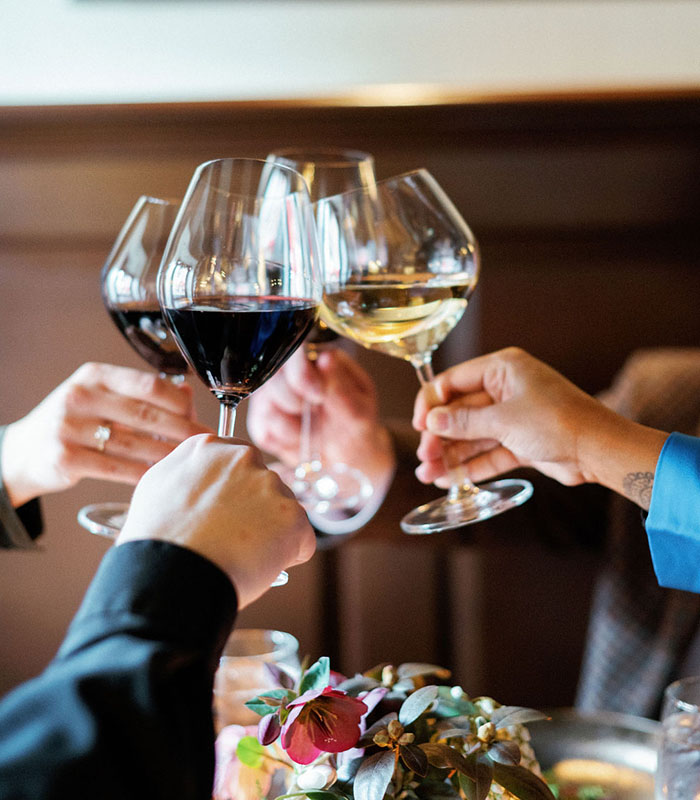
x=76, y=51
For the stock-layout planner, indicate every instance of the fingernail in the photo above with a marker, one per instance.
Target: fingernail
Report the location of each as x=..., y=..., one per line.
x=439, y=420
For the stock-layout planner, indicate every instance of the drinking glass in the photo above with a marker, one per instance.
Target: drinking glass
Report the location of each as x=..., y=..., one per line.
x=324, y=488
x=242, y=672
x=129, y=293
x=678, y=767
x=239, y=285
x=400, y=264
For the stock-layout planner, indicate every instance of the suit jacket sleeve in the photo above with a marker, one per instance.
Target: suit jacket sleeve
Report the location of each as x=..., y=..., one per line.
x=124, y=709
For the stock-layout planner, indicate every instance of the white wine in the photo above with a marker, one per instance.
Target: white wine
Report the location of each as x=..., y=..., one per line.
x=401, y=315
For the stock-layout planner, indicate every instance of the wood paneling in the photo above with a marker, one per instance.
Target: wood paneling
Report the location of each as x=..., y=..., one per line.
x=586, y=208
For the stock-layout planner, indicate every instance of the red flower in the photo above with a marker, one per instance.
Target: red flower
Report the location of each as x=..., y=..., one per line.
x=321, y=721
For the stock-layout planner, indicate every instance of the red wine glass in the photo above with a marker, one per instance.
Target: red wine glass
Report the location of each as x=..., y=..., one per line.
x=239, y=284
x=128, y=283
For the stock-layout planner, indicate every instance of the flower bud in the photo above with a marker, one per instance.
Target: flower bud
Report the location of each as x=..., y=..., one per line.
x=395, y=729
x=407, y=738
x=320, y=776
x=486, y=732
x=381, y=738
x=389, y=675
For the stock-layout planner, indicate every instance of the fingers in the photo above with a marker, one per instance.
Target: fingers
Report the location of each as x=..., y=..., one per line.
x=87, y=401
x=138, y=385
x=349, y=390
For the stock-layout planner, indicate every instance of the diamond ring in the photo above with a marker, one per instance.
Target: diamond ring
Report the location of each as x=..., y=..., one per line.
x=101, y=435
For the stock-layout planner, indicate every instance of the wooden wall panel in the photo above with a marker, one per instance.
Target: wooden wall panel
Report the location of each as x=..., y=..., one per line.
x=586, y=208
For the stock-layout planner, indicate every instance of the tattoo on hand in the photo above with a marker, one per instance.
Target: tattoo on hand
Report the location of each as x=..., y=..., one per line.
x=637, y=486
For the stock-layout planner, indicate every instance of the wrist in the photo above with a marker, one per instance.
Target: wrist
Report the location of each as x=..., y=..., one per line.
x=613, y=449
x=18, y=487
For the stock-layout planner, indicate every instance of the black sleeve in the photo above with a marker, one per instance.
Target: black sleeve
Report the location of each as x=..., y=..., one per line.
x=18, y=526
x=124, y=709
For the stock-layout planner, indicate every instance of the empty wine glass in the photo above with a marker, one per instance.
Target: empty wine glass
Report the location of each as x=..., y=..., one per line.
x=400, y=264
x=129, y=293
x=320, y=487
x=239, y=285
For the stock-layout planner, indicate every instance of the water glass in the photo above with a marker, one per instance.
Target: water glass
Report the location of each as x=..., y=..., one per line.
x=678, y=767
x=242, y=673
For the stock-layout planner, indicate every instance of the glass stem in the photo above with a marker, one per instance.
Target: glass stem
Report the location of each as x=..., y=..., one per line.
x=309, y=444
x=461, y=485
x=227, y=416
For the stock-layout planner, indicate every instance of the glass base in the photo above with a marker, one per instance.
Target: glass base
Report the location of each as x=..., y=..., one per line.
x=446, y=513
x=107, y=519
x=326, y=490
x=104, y=519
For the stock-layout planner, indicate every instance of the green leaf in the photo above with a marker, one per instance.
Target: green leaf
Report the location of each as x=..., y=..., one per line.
x=521, y=782
x=250, y=752
x=415, y=704
x=414, y=758
x=413, y=669
x=504, y=752
x=482, y=771
x=360, y=683
x=451, y=705
x=269, y=702
x=450, y=733
x=468, y=786
x=443, y=756
x=317, y=676
x=515, y=715
x=374, y=776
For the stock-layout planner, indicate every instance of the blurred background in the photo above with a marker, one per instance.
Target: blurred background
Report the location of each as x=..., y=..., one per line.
x=566, y=131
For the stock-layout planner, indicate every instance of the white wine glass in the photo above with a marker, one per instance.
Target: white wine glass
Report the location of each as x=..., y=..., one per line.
x=128, y=283
x=239, y=284
x=324, y=488
x=400, y=264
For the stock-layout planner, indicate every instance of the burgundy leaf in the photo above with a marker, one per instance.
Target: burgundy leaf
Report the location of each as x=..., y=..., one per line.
x=443, y=756
x=505, y=752
x=521, y=782
x=482, y=771
x=414, y=758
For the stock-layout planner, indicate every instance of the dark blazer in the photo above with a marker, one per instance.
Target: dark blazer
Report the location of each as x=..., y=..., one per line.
x=124, y=710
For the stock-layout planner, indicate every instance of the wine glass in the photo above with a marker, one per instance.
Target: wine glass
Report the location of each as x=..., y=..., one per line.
x=324, y=489
x=239, y=285
x=128, y=283
x=400, y=264
x=678, y=767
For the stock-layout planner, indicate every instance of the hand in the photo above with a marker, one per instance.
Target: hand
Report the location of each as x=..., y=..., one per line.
x=54, y=446
x=216, y=497
x=507, y=409
x=345, y=402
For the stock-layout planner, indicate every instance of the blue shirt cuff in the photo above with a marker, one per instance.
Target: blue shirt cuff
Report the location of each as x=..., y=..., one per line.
x=673, y=523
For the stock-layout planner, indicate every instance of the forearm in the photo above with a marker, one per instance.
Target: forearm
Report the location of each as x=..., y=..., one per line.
x=620, y=454
x=124, y=710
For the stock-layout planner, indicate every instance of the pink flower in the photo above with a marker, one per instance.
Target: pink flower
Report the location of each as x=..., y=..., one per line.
x=321, y=721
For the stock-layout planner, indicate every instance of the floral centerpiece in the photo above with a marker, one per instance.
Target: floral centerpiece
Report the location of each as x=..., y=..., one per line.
x=397, y=733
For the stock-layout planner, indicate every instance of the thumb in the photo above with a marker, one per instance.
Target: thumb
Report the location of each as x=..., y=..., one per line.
x=464, y=421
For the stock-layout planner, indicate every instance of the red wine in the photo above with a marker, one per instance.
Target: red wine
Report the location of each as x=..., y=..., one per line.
x=146, y=332
x=236, y=344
